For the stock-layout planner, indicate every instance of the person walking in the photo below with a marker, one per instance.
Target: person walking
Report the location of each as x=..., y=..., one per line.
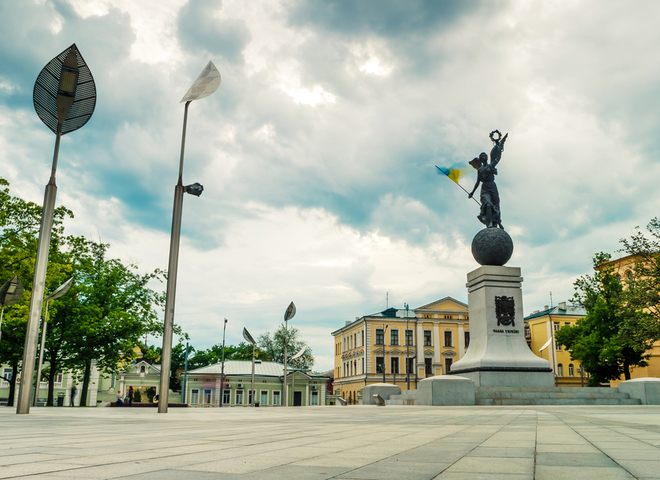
x=74, y=390
x=130, y=396
x=119, y=400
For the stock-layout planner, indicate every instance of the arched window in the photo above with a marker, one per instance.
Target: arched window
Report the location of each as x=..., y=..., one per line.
x=142, y=369
x=571, y=370
x=560, y=370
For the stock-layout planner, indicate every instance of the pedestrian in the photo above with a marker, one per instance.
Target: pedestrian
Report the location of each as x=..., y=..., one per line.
x=74, y=390
x=119, y=401
x=130, y=396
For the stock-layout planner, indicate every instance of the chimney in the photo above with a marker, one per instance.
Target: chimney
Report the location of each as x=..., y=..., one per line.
x=348, y=322
x=546, y=307
x=562, y=305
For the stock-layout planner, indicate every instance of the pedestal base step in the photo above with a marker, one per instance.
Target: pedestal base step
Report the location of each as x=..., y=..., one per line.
x=552, y=396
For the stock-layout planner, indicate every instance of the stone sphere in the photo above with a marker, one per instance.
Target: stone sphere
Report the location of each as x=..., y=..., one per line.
x=492, y=246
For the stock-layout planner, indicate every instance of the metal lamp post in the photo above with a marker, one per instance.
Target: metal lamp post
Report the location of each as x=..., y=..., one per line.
x=64, y=98
x=185, y=376
x=293, y=376
x=61, y=290
x=289, y=314
x=384, y=351
x=407, y=349
x=207, y=83
x=10, y=293
x=222, y=368
x=248, y=337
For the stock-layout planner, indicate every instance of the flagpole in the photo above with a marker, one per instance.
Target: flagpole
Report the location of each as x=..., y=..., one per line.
x=459, y=186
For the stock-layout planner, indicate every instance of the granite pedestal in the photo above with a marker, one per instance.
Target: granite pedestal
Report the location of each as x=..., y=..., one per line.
x=498, y=354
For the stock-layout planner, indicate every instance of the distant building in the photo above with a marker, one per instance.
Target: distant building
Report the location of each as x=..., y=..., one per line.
x=539, y=330
x=399, y=346
x=204, y=385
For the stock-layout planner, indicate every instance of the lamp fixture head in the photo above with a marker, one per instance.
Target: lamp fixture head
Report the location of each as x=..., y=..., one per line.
x=194, y=189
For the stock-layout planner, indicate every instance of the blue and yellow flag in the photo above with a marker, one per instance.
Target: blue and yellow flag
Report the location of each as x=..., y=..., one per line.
x=453, y=173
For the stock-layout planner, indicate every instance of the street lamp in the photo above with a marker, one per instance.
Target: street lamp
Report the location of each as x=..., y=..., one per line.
x=207, y=83
x=10, y=293
x=384, y=351
x=64, y=99
x=289, y=314
x=248, y=337
x=222, y=369
x=61, y=290
x=293, y=376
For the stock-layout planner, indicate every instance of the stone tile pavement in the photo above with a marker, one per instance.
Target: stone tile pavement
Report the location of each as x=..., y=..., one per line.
x=354, y=442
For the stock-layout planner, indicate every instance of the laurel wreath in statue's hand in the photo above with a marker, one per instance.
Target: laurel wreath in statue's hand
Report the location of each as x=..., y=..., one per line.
x=494, y=138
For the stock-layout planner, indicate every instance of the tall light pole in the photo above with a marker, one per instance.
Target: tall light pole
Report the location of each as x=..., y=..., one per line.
x=10, y=293
x=407, y=349
x=64, y=98
x=207, y=83
x=248, y=337
x=384, y=351
x=61, y=290
x=185, y=376
x=288, y=315
x=222, y=369
x=293, y=375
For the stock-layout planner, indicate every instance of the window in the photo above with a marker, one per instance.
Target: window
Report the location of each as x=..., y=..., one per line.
x=410, y=366
x=448, y=339
x=250, y=392
x=362, y=366
x=194, y=396
x=556, y=329
x=239, y=397
x=315, y=398
x=448, y=362
x=409, y=338
x=355, y=340
x=142, y=369
x=560, y=370
x=528, y=332
x=380, y=336
x=362, y=337
x=355, y=367
x=276, y=397
x=351, y=368
x=380, y=364
x=571, y=370
x=427, y=338
x=264, y=397
x=466, y=335
x=226, y=397
x=428, y=367
x=207, y=396
x=394, y=364
x=394, y=337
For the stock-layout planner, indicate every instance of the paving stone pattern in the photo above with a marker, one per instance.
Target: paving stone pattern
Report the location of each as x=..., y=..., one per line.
x=354, y=442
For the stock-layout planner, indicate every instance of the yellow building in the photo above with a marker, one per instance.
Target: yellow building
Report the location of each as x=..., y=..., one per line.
x=399, y=346
x=539, y=330
x=624, y=269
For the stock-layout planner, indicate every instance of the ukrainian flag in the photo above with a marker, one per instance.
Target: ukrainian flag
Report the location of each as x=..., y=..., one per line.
x=453, y=173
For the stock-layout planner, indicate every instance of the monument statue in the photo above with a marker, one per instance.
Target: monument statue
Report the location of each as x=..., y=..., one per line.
x=490, y=214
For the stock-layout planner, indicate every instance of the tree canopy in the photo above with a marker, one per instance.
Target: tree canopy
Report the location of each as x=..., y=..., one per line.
x=273, y=345
x=615, y=334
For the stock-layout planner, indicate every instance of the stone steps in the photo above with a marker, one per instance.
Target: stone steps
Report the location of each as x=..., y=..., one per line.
x=552, y=396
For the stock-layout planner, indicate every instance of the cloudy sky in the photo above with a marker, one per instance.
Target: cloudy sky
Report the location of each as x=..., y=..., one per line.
x=317, y=152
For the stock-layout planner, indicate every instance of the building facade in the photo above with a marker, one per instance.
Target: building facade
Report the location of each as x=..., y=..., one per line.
x=399, y=346
x=204, y=385
x=540, y=328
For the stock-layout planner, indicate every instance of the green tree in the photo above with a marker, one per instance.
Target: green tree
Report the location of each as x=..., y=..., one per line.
x=610, y=338
x=274, y=346
x=19, y=226
x=643, y=289
x=115, y=308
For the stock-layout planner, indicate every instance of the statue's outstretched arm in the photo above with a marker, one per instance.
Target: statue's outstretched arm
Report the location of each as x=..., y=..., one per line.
x=496, y=152
x=475, y=188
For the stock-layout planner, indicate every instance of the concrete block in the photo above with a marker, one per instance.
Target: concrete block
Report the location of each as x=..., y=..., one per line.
x=445, y=390
x=382, y=389
x=646, y=389
x=380, y=401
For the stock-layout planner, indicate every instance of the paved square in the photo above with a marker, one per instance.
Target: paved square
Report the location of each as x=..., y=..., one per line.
x=355, y=442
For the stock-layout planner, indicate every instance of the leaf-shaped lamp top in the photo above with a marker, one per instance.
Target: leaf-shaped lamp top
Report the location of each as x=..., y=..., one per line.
x=207, y=83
